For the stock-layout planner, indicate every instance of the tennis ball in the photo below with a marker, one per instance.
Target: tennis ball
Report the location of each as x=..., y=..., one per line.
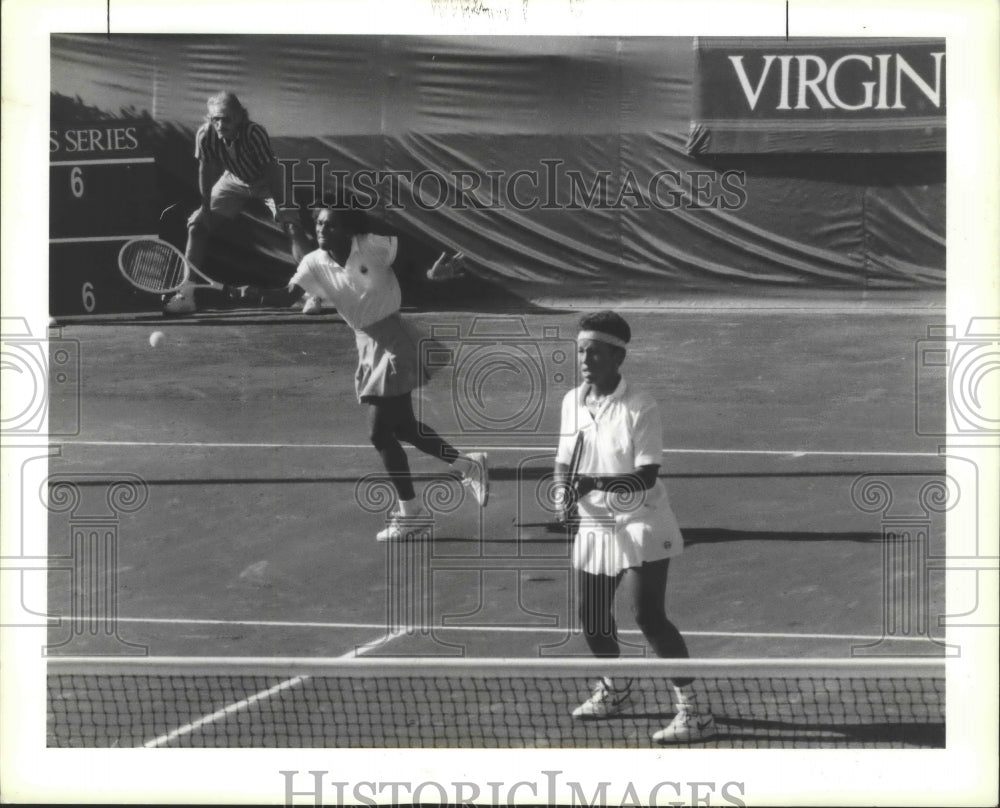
x=156, y=339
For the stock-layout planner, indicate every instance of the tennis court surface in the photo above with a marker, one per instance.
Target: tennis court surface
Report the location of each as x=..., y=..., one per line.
x=254, y=501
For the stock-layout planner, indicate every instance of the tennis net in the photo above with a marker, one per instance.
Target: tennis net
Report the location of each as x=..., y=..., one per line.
x=383, y=702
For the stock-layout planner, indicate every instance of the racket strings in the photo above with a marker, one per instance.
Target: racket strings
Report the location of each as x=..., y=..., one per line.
x=153, y=266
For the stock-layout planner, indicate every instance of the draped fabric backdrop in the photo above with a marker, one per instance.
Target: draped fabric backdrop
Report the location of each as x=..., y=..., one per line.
x=585, y=152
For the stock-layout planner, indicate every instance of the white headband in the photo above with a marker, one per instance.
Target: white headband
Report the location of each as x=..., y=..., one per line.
x=601, y=336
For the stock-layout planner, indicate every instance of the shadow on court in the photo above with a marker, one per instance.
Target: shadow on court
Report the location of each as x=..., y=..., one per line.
x=255, y=537
x=710, y=536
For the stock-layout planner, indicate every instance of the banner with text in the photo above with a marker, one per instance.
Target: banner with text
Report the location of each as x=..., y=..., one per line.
x=819, y=96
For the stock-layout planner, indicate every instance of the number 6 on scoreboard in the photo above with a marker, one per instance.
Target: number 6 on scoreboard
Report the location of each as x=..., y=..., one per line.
x=76, y=181
x=87, y=293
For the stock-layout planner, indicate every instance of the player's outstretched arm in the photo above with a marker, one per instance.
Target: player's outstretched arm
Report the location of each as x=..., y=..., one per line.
x=281, y=297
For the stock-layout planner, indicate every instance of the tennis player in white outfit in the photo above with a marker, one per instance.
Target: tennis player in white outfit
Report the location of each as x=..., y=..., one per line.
x=627, y=532
x=352, y=269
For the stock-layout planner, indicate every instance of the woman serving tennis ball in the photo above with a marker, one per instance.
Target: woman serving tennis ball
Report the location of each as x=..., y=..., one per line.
x=626, y=531
x=352, y=269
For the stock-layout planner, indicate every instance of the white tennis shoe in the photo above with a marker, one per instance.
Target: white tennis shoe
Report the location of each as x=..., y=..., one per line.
x=182, y=302
x=312, y=305
x=687, y=728
x=478, y=479
x=405, y=528
x=604, y=702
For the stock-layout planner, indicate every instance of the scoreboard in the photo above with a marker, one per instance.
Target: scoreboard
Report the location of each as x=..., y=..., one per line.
x=102, y=192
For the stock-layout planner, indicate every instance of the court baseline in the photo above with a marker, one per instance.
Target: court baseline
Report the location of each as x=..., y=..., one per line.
x=749, y=452
x=366, y=648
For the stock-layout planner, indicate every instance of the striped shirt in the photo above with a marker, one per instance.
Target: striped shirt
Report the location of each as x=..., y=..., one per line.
x=245, y=157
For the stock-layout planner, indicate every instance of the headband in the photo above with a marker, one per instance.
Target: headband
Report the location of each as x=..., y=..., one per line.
x=601, y=336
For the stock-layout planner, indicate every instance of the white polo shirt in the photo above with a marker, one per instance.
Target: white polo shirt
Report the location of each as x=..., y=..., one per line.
x=623, y=434
x=363, y=291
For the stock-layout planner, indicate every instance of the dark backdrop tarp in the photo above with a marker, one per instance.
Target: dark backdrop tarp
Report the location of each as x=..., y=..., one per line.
x=574, y=111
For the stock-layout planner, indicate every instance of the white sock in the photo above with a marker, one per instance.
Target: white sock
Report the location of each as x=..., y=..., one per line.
x=686, y=699
x=409, y=507
x=464, y=466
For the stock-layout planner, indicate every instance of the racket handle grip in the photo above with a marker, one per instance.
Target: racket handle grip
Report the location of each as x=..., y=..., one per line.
x=570, y=518
x=244, y=294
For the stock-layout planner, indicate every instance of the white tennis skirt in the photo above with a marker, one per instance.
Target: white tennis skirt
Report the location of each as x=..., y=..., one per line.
x=606, y=546
x=388, y=359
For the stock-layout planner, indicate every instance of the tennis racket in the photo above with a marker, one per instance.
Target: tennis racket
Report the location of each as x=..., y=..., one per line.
x=156, y=266
x=571, y=517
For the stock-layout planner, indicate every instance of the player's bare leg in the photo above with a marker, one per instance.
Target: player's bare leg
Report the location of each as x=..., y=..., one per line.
x=200, y=227
x=301, y=247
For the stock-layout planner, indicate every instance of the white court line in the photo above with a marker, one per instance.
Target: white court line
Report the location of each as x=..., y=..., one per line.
x=108, y=161
x=209, y=445
x=367, y=648
x=232, y=708
x=248, y=702
x=89, y=239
